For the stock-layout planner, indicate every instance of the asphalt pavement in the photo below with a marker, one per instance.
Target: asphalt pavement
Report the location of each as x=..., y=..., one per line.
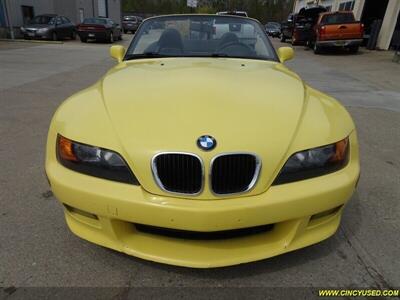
x=37, y=249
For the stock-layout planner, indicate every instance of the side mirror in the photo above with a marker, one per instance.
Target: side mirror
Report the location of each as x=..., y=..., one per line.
x=117, y=52
x=285, y=54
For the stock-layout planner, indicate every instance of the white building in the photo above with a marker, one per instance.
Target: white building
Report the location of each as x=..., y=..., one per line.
x=367, y=11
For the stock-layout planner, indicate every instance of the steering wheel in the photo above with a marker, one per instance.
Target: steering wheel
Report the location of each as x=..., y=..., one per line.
x=236, y=47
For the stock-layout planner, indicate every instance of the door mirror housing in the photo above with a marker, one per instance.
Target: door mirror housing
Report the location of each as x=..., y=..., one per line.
x=117, y=52
x=285, y=54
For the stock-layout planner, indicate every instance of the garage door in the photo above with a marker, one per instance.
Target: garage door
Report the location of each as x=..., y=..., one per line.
x=102, y=8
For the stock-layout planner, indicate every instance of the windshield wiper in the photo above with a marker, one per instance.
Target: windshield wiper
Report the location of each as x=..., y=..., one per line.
x=144, y=55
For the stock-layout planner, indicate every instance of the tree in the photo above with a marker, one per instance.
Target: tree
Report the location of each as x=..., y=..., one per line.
x=263, y=10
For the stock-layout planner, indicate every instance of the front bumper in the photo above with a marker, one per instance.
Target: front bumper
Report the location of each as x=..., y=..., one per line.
x=93, y=35
x=340, y=43
x=274, y=33
x=36, y=35
x=129, y=27
x=105, y=213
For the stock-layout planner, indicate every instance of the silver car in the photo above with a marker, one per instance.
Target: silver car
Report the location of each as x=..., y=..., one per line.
x=131, y=23
x=49, y=27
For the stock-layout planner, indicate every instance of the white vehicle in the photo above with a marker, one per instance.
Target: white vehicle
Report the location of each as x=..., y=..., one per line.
x=233, y=13
x=241, y=30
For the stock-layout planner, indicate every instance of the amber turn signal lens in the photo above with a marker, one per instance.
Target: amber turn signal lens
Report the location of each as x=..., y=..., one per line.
x=341, y=151
x=65, y=149
x=93, y=161
x=315, y=162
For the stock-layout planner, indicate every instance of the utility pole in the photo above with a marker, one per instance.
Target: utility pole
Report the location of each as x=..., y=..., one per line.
x=10, y=26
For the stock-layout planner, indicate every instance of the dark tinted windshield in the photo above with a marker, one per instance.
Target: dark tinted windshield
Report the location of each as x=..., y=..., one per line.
x=95, y=21
x=272, y=26
x=301, y=20
x=201, y=36
x=42, y=20
x=338, y=18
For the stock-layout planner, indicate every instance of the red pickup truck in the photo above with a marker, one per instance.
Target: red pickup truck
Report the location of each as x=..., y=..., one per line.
x=338, y=29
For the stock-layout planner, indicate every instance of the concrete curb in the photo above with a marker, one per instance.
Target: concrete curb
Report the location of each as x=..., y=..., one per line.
x=31, y=41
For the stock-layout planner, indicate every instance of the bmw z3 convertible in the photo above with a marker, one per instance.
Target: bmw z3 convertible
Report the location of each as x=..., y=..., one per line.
x=200, y=148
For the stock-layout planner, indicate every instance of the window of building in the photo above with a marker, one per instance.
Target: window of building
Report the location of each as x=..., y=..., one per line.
x=349, y=5
x=102, y=7
x=27, y=13
x=395, y=43
x=2, y=16
x=81, y=15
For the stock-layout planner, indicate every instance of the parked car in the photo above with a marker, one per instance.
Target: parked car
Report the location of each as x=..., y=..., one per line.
x=287, y=28
x=49, y=27
x=99, y=29
x=273, y=29
x=299, y=27
x=337, y=29
x=131, y=23
x=224, y=158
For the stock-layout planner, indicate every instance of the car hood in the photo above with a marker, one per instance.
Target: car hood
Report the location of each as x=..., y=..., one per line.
x=166, y=105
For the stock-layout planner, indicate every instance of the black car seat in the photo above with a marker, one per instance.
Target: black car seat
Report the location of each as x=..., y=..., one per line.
x=170, y=42
x=228, y=38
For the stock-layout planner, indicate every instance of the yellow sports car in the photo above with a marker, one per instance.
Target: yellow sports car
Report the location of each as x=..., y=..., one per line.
x=201, y=149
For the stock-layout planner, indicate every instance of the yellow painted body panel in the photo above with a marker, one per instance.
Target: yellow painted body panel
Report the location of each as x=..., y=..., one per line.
x=144, y=107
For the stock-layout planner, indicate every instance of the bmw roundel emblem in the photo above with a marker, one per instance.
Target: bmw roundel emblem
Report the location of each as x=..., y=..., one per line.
x=206, y=143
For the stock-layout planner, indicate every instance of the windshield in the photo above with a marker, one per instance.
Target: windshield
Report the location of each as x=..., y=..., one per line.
x=43, y=20
x=95, y=21
x=201, y=36
x=129, y=19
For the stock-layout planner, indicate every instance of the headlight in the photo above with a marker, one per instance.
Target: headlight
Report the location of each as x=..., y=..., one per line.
x=42, y=30
x=93, y=161
x=314, y=162
x=22, y=29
